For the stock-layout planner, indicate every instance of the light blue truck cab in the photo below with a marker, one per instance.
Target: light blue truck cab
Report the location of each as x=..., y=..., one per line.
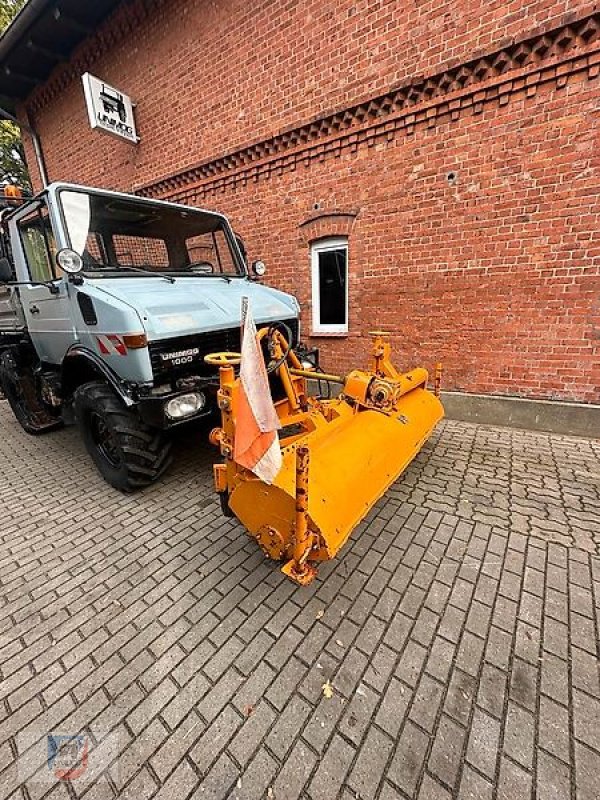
x=108, y=304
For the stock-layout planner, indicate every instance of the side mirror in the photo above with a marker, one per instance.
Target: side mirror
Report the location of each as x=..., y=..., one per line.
x=6, y=273
x=259, y=268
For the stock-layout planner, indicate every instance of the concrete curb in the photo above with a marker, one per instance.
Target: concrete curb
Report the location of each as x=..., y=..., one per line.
x=551, y=416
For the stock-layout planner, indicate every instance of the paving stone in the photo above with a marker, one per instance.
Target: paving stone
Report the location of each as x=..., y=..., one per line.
x=556, y=638
x=484, y=737
x=452, y=623
x=408, y=760
x=389, y=792
x=350, y=672
x=425, y=627
x=253, y=689
x=586, y=712
x=394, y=705
x=426, y=702
x=332, y=770
x=446, y=753
x=514, y=782
x=185, y=700
x=295, y=773
x=214, y=700
x=151, y=705
x=460, y=696
x=554, y=728
x=583, y=633
x=584, y=669
x=380, y=667
x=553, y=778
x=215, y=738
x=478, y=619
x=523, y=683
x=139, y=751
x=323, y=721
x=498, y=648
x=219, y=781
x=519, y=734
x=411, y=664
x=179, y=784
x=370, y=764
x=474, y=786
x=257, y=777
x=492, y=688
x=555, y=678
x=251, y=733
x=431, y=790
x=398, y=631
x=177, y=744
x=288, y=725
x=359, y=714
x=286, y=683
x=587, y=769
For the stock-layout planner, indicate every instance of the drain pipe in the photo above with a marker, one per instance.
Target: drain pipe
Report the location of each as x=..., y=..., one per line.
x=37, y=145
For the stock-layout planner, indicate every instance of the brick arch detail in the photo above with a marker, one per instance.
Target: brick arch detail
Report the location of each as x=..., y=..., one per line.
x=326, y=224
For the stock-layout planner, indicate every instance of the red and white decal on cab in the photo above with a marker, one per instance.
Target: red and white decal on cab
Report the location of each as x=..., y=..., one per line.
x=111, y=344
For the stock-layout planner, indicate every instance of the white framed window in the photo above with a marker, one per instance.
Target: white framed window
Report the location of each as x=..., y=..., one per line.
x=329, y=262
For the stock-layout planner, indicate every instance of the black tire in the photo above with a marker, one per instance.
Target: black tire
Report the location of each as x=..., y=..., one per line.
x=128, y=453
x=19, y=388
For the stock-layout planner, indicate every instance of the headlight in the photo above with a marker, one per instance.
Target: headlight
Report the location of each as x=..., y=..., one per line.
x=69, y=261
x=186, y=405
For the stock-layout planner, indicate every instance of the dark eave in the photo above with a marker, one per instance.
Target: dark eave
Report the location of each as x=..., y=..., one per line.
x=42, y=35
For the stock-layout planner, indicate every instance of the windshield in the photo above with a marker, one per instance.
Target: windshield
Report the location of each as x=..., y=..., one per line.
x=117, y=235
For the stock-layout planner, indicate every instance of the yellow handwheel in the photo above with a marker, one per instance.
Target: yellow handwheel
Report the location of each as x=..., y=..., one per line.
x=223, y=359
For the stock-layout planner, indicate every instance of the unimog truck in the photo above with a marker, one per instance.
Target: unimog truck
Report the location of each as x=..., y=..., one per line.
x=108, y=304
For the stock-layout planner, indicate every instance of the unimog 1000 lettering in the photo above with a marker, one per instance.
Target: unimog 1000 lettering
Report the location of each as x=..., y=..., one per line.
x=108, y=304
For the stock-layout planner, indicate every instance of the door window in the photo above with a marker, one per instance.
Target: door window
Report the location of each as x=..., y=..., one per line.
x=38, y=244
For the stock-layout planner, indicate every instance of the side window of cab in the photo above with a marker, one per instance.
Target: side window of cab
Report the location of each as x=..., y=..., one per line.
x=38, y=243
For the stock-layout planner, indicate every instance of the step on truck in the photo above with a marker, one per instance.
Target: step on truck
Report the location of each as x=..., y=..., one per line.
x=108, y=304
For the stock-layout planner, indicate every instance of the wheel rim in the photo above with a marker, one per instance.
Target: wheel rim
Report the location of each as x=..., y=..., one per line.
x=105, y=440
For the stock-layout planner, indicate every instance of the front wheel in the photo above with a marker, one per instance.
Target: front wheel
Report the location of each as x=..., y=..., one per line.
x=128, y=453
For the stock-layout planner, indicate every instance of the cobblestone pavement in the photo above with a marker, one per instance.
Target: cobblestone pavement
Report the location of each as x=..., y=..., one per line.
x=458, y=629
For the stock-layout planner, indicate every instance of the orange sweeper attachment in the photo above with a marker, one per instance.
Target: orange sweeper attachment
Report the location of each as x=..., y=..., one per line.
x=339, y=455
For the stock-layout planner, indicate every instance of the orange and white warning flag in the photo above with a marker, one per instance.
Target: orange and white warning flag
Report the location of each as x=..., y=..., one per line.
x=256, y=444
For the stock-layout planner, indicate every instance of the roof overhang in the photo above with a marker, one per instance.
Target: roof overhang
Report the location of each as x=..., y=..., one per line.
x=41, y=36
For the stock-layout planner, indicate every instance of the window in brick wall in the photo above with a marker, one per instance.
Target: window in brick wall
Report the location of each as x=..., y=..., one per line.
x=329, y=258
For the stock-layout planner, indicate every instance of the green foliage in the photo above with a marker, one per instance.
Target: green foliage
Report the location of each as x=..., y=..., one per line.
x=8, y=9
x=12, y=156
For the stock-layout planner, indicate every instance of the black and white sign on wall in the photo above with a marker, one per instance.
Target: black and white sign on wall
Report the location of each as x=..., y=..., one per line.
x=109, y=109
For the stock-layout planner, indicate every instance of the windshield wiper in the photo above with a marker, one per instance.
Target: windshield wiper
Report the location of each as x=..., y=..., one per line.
x=156, y=273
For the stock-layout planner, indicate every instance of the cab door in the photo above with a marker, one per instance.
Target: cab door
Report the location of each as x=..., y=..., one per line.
x=48, y=314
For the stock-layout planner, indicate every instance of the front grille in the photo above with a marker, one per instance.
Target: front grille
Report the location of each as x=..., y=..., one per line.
x=203, y=343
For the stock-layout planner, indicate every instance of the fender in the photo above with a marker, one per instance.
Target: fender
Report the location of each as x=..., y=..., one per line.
x=98, y=365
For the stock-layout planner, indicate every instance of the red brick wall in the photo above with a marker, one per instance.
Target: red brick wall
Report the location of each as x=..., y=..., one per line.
x=495, y=272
